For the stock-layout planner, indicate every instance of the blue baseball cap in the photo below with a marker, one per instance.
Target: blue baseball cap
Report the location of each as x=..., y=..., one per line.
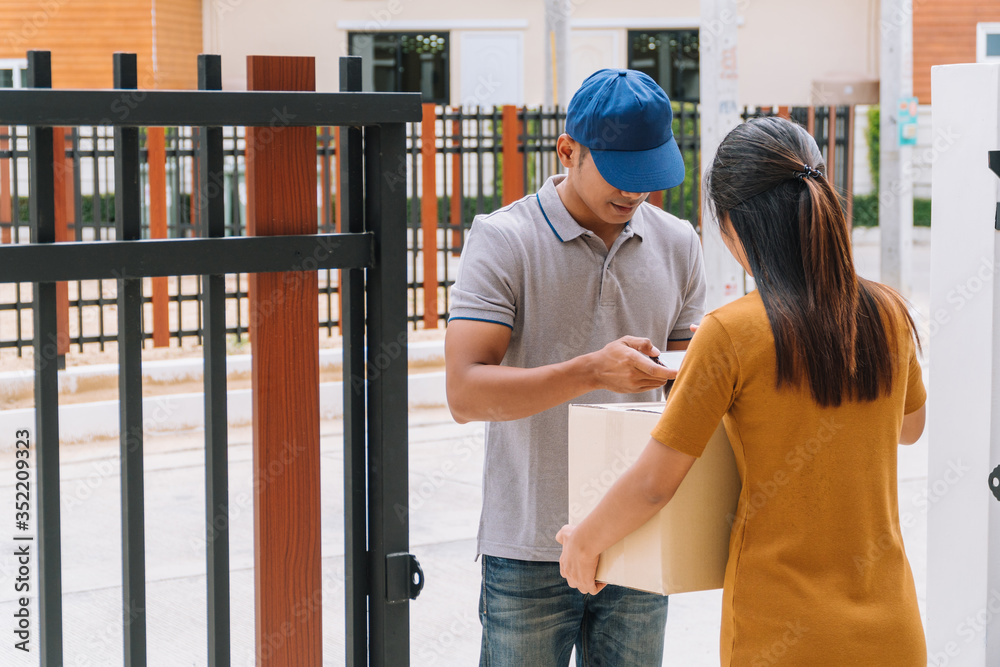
x=625, y=119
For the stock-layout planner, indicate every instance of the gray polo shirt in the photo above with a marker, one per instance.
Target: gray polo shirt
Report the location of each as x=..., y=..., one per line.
x=529, y=266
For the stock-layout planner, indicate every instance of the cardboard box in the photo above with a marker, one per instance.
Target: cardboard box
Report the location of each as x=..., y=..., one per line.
x=686, y=545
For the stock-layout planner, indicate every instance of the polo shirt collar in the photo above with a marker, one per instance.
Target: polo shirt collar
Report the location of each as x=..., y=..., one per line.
x=562, y=223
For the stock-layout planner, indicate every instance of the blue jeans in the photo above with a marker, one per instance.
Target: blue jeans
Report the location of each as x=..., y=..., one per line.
x=532, y=618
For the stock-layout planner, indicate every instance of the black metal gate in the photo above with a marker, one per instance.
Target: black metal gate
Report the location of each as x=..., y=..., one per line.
x=381, y=575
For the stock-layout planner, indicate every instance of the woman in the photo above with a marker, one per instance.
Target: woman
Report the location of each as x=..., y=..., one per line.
x=816, y=379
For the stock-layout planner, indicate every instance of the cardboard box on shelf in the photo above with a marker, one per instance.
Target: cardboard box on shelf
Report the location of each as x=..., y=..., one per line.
x=686, y=545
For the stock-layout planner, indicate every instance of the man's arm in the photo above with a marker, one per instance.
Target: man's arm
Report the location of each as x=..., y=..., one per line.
x=480, y=389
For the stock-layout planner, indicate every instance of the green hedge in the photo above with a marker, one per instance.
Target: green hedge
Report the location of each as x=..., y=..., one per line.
x=866, y=211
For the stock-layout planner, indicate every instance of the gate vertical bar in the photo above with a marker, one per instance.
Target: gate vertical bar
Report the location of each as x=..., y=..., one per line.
x=43, y=230
x=388, y=520
x=212, y=213
x=128, y=218
x=350, y=196
x=284, y=311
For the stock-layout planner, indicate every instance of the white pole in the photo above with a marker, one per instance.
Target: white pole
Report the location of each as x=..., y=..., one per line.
x=557, y=15
x=895, y=207
x=720, y=113
x=963, y=520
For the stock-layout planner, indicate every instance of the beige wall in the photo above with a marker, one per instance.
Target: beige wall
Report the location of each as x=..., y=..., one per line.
x=784, y=45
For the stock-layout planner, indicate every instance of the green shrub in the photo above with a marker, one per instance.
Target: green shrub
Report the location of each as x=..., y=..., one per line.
x=866, y=211
x=872, y=137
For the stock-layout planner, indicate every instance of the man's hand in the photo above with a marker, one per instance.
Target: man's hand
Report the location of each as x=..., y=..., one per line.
x=624, y=366
x=576, y=566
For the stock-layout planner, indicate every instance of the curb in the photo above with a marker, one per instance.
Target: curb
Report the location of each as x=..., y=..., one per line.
x=15, y=384
x=86, y=421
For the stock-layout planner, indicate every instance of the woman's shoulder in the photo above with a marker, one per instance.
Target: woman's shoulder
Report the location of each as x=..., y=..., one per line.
x=744, y=311
x=742, y=321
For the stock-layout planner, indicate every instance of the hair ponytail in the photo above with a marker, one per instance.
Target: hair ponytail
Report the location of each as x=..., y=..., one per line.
x=831, y=328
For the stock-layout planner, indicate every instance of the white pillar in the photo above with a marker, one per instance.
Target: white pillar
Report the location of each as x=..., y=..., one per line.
x=720, y=113
x=895, y=203
x=963, y=542
x=557, y=15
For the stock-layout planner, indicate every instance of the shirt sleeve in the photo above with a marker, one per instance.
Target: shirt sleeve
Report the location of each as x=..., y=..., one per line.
x=486, y=288
x=916, y=394
x=693, y=308
x=703, y=392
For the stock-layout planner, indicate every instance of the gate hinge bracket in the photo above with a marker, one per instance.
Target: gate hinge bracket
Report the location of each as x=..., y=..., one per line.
x=403, y=577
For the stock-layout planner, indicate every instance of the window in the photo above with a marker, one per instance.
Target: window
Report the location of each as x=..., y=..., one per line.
x=404, y=62
x=670, y=57
x=13, y=73
x=988, y=43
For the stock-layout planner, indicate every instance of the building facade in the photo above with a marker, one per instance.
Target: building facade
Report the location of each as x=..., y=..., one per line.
x=460, y=52
x=83, y=34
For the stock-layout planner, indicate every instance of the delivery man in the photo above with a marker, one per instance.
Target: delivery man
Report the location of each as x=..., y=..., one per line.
x=565, y=295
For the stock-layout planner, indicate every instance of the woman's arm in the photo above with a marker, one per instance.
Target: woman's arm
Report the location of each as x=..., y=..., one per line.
x=637, y=495
x=913, y=426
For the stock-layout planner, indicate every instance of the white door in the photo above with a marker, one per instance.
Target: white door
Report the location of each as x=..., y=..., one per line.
x=492, y=68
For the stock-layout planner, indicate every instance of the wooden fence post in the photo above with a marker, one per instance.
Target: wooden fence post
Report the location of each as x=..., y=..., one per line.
x=281, y=199
x=513, y=160
x=157, y=159
x=63, y=195
x=429, y=213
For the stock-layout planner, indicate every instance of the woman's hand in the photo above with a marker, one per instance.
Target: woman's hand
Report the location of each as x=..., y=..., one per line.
x=576, y=565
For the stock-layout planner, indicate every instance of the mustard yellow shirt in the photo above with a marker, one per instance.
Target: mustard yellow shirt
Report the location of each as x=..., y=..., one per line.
x=817, y=574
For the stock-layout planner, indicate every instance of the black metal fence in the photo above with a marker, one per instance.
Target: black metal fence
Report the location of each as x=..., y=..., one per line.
x=380, y=574
x=469, y=145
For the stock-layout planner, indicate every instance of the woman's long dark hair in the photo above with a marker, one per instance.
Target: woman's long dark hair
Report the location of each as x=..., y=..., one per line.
x=831, y=328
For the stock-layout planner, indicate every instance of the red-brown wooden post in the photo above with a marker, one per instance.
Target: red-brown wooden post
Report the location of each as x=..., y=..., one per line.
x=156, y=152
x=811, y=121
x=429, y=213
x=62, y=186
x=783, y=112
x=513, y=162
x=284, y=310
x=456, y=183
x=5, y=211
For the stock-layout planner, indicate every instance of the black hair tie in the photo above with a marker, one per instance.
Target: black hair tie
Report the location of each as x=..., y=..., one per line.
x=808, y=172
